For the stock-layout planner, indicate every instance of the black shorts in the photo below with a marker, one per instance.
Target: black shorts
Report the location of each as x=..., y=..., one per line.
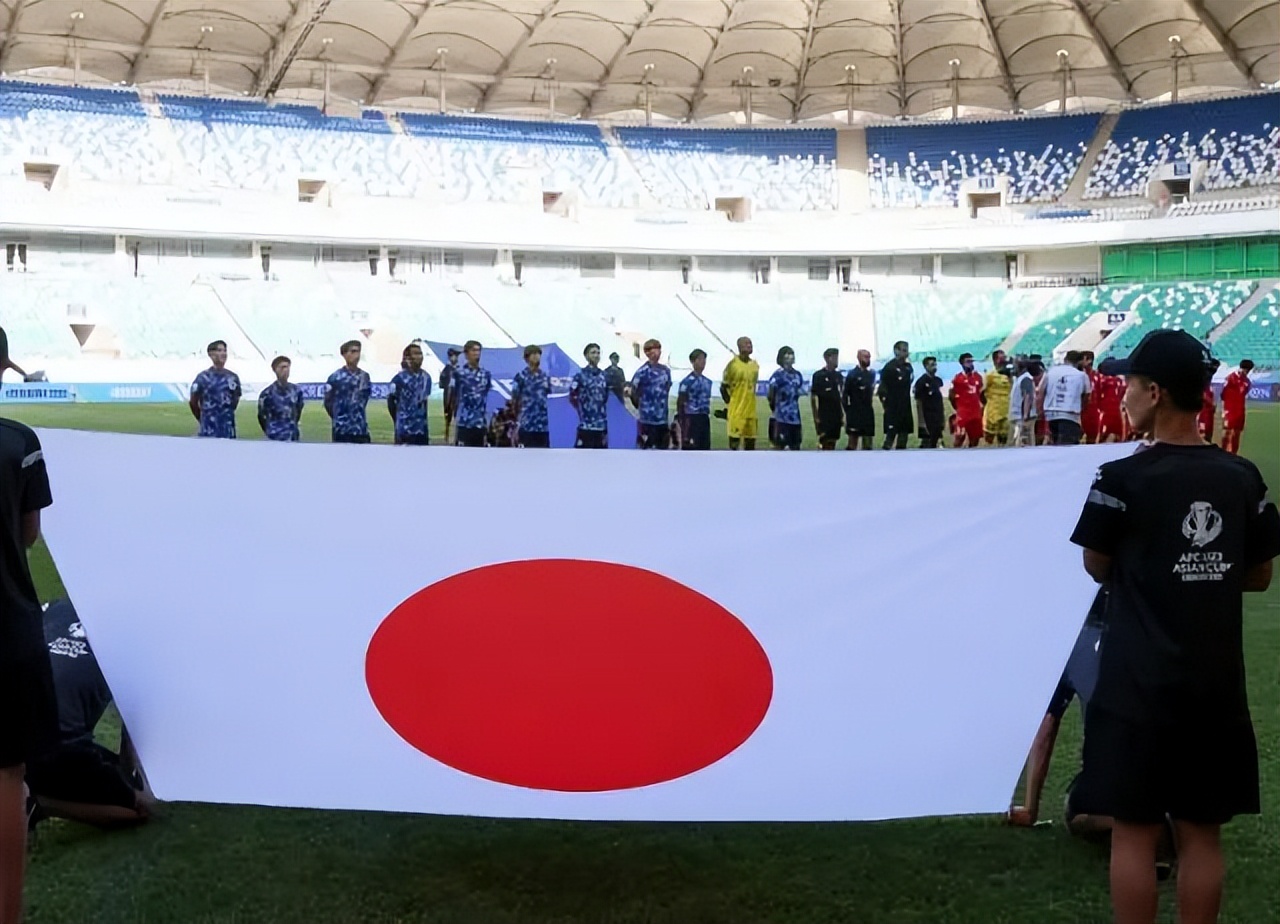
x=534, y=439
x=860, y=424
x=828, y=426
x=28, y=709
x=592, y=439
x=82, y=772
x=360, y=438
x=899, y=424
x=471, y=436
x=695, y=431
x=788, y=436
x=655, y=436
x=1204, y=772
x=1065, y=432
x=413, y=439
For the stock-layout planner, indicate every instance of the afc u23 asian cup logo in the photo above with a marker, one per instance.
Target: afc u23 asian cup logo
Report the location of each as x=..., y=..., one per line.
x=1202, y=525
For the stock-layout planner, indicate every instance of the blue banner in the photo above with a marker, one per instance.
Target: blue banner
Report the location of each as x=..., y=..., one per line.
x=37, y=393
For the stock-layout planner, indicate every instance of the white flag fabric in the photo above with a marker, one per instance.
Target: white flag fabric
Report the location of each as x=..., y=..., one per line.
x=579, y=635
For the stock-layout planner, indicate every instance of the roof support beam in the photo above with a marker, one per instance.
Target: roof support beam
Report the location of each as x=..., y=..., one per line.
x=700, y=91
x=900, y=34
x=509, y=61
x=11, y=32
x=1109, y=53
x=278, y=59
x=1001, y=61
x=1220, y=36
x=618, y=57
x=396, y=49
x=803, y=73
x=145, y=50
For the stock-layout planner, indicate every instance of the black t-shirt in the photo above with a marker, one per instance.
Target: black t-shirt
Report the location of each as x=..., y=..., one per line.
x=928, y=392
x=859, y=385
x=616, y=380
x=826, y=387
x=24, y=487
x=83, y=695
x=1183, y=524
x=895, y=383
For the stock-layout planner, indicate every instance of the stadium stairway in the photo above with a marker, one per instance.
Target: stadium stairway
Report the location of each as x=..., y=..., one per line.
x=1264, y=290
x=1253, y=331
x=1074, y=193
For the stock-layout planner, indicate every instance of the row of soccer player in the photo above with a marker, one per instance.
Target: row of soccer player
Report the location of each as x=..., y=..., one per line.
x=1022, y=400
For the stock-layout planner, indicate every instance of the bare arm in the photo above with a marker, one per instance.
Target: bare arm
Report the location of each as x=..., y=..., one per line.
x=1258, y=578
x=194, y=404
x=31, y=528
x=1098, y=566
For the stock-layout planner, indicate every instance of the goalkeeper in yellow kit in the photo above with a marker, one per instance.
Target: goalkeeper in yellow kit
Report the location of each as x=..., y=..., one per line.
x=738, y=389
x=996, y=387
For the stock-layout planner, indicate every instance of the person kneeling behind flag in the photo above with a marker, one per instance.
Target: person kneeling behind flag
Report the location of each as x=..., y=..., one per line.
x=79, y=779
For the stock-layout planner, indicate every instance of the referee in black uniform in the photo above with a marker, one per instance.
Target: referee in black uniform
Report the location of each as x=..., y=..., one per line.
x=28, y=709
x=894, y=393
x=824, y=399
x=1178, y=532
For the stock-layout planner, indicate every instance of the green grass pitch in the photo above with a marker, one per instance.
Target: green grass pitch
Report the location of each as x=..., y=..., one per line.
x=212, y=864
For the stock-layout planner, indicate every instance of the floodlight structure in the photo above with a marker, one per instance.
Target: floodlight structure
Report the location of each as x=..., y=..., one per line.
x=850, y=88
x=1064, y=74
x=76, y=18
x=955, y=87
x=748, y=90
x=441, y=67
x=1176, y=51
x=646, y=84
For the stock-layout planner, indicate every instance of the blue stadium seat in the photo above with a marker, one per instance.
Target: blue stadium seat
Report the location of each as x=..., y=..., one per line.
x=1238, y=138
x=923, y=165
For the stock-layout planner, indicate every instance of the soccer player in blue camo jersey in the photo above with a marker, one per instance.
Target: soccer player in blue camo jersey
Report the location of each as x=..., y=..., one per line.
x=215, y=395
x=529, y=394
x=280, y=405
x=589, y=395
x=651, y=393
x=693, y=405
x=469, y=394
x=785, y=386
x=348, y=396
x=407, y=399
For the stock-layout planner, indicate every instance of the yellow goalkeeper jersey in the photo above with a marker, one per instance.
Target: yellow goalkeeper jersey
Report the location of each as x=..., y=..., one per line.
x=741, y=378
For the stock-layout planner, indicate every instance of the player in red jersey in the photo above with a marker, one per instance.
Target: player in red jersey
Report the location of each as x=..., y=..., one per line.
x=1208, y=410
x=1091, y=416
x=966, y=398
x=1108, y=393
x=1234, y=393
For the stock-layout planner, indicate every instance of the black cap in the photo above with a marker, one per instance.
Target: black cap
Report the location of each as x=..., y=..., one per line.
x=454, y=351
x=1173, y=359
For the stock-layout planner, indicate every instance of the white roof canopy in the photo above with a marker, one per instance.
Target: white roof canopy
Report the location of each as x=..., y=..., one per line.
x=799, y=56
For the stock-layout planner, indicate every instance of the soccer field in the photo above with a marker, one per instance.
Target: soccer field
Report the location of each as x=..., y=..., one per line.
x=224, y=864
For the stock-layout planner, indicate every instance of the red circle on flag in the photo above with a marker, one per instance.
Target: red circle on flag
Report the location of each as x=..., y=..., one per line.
x=567, y=675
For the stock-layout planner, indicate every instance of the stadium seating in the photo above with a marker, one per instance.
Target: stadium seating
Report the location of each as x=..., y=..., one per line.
x=244, y=144
x=1196, y=307
x=923, y=165
x=946, y=322
x=1256, y=336
x=33, y=312
x=104, y=132
x=782, y=169
x=1238, y=138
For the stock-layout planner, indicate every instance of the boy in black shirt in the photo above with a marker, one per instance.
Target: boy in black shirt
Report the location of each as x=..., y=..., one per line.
x=928, y=395
x=1178, y=532
x=824, y=399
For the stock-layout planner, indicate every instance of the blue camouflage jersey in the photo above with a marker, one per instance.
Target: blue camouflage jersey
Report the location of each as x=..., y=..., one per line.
x=350, y=392
x=787, y=385
x=279, y=410
x=652, y=382
x=218, y=391
x=472, y=389
x=531, y=389
x=590, y=386
x=696, y=391
x=411, y=390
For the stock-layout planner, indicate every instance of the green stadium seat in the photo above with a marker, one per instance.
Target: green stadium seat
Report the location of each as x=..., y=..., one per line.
x=1256, y=336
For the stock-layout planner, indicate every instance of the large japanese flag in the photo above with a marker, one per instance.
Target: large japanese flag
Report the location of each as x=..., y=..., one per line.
x=570, y=634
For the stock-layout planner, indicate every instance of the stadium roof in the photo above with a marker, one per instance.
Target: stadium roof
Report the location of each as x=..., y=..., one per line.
x=511, y=55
